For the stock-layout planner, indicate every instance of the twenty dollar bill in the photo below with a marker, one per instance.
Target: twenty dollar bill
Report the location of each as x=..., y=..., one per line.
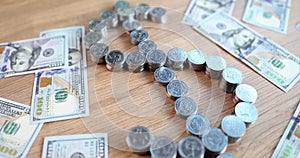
x=16, y=132
x=269, y=14
x=73, y=146
x=63, y=94
x=267, y=58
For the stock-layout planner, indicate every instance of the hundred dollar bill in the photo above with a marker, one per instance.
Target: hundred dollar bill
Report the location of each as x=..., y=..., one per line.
x=273, y=62
x=62, y=94
x=200, y=9
x=289, y=144
x=269, y=14
x=16, y=133
x=29, y=56
x=73, y=146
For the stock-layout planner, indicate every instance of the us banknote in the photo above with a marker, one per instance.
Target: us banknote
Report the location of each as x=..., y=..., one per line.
x=33, y=55
x=62, y=94
x=76, y=146
x=270, y=60
x=16, y=132
x=269, y=14
x=289, y=144
x=200, y=9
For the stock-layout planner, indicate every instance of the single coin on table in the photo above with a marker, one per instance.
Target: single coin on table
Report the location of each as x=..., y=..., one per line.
x=176, y=89
x=135, y=61
x=197, y=125
x=185, y=106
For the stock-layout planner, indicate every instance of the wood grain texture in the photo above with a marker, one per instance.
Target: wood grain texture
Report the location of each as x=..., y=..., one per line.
x=121, y=100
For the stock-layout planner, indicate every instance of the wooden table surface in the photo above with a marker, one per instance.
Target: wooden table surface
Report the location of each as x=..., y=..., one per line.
x=121, y=100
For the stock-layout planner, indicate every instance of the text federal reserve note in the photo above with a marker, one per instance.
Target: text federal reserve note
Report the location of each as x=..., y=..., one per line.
x=73, y=146
x=269, y=14
x=270, y=60
x=63, y=94
x=17, y=134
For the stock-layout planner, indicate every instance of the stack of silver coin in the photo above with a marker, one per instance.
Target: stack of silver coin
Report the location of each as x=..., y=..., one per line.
x=158, y=15
x=139, y=140
x=226, y=155
x=164, y=75
x=138, y=36
x=185, y=107
x=131, y=25
x=230, y=79
x=121, y=5
x=215, y=142
x=233, y=127
x=176, y=57
x=163, y=147
x=197, y=125
x=92, y=38
x=126, y=14
x=156, y=59
x=191, y=147
x=247, y=112
x=110, y=18
x=147, y=46
x=98, y=26
x=142, y=11
x=214, y=66
x=244, y=93
x=98, y=52
x=197, y=60
x=135, y=61
x=176, y=89
x=114, y=60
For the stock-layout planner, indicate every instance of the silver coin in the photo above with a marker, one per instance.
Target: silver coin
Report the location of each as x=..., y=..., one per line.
x=214, y=66
x=233, y=127
x=176, y=58
x=138, y=36
x=197, y=59
x=176, y=89
x=98, y=52
x=198, y=125
x=226, y=155
x=126, y=14
x=156, y=59
x=139, y=139
x=185, y=106
x=191, y=147
x=135, y=61
x=101, y=28
x=92, y=24
x=110, y=17
x=48, y=52
x=147, y=46
x=141, y=11
x=244, y=93
x=131, y=25
x=247, y=112
x=163, y=147
x=114, y=60
x=121, y=4
x=231, y=78
x=164, y=75
x=215, y=141
x=92, y=38
x=158, y=15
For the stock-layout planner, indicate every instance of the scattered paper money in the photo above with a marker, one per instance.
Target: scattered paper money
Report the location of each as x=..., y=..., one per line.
x=73, y=146
x=267, y=58
x=289, y=144
x=62, y=94
x=200, y=9
x=269, y=14
x=33, y=55
x=17, y=134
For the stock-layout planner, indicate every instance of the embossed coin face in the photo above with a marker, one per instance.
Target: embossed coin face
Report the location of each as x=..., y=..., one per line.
x=164, y=75
x=177, y=55
x=247, y=112
x=139, y=138
x=196, y=57
x=191, y=147
x=141, y=11
x=130, y=25
x=185, y=106
x=246, y=93
x=226, y=155
x=233, y=126
x=163, y=147
x=158, y=12
x=92, y=24
x=216, y=63
x=177, y=88
x=138, y=36
x=135, y=59
x=197, y=124
x=147, y=46
x=114, y=57
x=93, y=37
x=156, y=57
x=232, y=75
x=121, y=4
x=215, y=140
x=108, y=15
x=99, y=50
